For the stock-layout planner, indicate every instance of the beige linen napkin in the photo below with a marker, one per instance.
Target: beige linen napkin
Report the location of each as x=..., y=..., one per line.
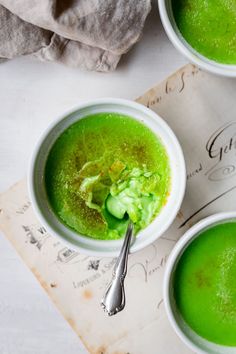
x=91, y=34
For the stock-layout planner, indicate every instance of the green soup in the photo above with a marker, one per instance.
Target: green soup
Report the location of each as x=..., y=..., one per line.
x=104, y=170
x=209, y=26
x=205, y=284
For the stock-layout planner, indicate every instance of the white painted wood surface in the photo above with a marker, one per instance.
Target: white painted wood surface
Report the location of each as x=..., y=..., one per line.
x=31, y=95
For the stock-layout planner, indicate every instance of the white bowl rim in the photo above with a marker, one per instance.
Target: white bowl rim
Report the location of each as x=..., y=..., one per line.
x=84, y=104
x=178, y=248
x=192, y=55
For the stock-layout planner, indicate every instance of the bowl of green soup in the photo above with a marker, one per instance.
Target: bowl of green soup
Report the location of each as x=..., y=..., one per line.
x=101, y=165
x=200, y=285
x=203, y=31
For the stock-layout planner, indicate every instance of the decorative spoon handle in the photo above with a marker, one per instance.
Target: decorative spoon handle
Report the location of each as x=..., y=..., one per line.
x=114, y=298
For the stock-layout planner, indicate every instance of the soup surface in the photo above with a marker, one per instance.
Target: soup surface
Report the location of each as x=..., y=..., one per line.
x=205, y=284
x=104, y=170
x=209, y=26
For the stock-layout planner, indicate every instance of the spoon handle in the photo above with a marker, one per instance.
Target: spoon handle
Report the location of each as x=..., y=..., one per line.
x=114, y=298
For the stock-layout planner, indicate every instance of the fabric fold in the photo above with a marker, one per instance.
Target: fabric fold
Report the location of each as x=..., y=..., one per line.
x=88, y=34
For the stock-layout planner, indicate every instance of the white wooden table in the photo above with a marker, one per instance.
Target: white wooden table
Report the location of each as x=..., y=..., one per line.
x=31, y=95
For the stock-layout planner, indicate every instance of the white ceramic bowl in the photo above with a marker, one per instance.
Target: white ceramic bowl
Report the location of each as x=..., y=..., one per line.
x=186, y=334
x=168, y=21
x=36, y=177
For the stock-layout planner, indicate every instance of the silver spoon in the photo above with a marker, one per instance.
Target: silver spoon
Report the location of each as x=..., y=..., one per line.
x=114, y=297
